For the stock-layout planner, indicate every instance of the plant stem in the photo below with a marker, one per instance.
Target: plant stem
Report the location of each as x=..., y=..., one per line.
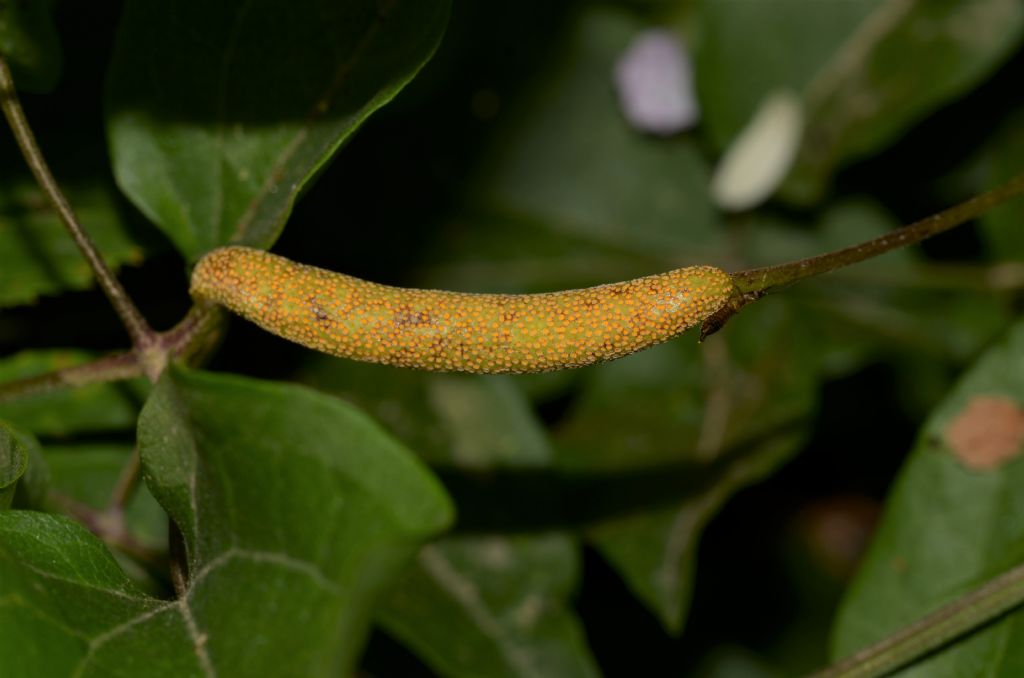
x=178, y=561
x=126, y=483
x=760, y=280
x=912, y=642
x=187, y=340
x=116, y=367
x=142, y=336
x=111, y=529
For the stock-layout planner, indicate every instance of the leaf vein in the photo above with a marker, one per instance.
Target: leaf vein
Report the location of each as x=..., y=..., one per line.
x=319, y=108
x=275, y=557
x=465, y=593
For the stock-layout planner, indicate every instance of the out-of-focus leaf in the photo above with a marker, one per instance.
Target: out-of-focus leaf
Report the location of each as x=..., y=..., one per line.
x=62, y=412
x=295, y=511
x=954, y=519
x=219, y=115
x=571, y=139
x=899, y=302
x=869, y=69
x=683, y=436
x=35, y=479
x=87, y=472
x=486, y=604
x=1002, y=226
x=904, y=60
x=38, y=257
x=734, y=662
x=84, y=475
x=684, y=427
x=29, y=42
x=784, y=43
x=492, y=606
x=13, y=464
x=469, y=422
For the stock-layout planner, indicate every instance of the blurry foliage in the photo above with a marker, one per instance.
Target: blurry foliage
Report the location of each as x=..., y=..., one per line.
x=633, y=516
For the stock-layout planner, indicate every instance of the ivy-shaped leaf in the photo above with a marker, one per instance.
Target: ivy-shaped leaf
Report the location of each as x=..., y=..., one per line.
x=482, y=604
x=296, y=511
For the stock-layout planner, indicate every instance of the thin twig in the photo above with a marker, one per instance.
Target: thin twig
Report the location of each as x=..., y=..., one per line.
x=112, y=530
x=760, y=280
x=141, y=334
x=126, y=483
x=115, y=367
x=964, y=615
x=185, y=341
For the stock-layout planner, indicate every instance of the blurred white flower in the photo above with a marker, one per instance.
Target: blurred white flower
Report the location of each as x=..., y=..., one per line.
x=759, y=158
x=654, y=79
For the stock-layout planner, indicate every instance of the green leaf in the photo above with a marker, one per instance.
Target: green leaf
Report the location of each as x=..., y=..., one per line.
x=954, y=519
x=220, y=116
x=686, y=427
x=87, y=473
x=66, y=608
x=683, y=427
x=469, y=422
x=487, y=604
x=730, y=661
x=900, y=301
x=84, y=475
x=904, y=61
x=35, y=482
x=29, y=42
x=572, y=196
x=296, y=511
x=38, y=257
x=13, y=464
x=1002, y=160
x=492, y=606
x=804, y=36
x=571, y=139
x=66, y=411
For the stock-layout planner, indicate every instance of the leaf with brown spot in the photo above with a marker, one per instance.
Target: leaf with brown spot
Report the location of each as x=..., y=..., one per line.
x=987, y=433
x=947, y=528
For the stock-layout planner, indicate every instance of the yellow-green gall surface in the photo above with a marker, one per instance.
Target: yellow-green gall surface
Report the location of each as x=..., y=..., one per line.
x=455, y=331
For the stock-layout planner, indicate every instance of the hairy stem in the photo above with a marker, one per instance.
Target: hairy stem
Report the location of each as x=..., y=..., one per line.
x=964, y=615
x=143, y=338
x=760, y=280
x=115, y=367
x=187, y=340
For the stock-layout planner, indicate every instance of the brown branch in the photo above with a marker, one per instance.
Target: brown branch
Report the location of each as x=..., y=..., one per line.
x=760, y=280
x=142, y=336
x=189, y=340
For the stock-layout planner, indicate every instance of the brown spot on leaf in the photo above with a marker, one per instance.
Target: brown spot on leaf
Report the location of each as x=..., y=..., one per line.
x=987, y=433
